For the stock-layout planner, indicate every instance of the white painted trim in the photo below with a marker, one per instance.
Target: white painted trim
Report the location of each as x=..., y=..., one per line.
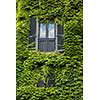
x=36, y=33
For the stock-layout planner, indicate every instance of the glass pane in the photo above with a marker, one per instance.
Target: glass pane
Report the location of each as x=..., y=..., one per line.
x=51, y=30
x=60, y=42
x=42, y=30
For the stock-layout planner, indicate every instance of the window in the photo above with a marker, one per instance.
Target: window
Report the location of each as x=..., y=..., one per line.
x=51, y=30
x=49, y=81
x=47, y=37
x=42, y=30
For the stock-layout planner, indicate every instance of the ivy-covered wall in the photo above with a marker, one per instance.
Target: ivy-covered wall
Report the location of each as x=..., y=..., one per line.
x=32, y=65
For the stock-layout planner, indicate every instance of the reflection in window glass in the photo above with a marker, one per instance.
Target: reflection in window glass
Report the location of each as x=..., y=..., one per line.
x=51, y=30
x=42, y=30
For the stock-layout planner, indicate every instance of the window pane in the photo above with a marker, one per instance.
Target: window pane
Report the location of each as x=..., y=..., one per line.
x=42, y=30
x=51, y=30
x=60, y=42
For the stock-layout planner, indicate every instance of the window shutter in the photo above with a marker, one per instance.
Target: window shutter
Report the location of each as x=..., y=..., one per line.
x=60, y=35
x=32, y=34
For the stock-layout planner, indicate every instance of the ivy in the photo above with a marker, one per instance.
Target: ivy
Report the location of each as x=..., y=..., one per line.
x=66, y=68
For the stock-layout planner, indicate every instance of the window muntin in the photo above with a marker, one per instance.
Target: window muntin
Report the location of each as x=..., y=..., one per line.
x=42, y=30
x=51, y=30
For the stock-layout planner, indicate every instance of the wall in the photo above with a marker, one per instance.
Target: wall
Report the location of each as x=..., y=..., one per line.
x=32, y=65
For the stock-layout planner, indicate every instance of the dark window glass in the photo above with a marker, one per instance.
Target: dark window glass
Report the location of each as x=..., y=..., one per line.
x=60, y=42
